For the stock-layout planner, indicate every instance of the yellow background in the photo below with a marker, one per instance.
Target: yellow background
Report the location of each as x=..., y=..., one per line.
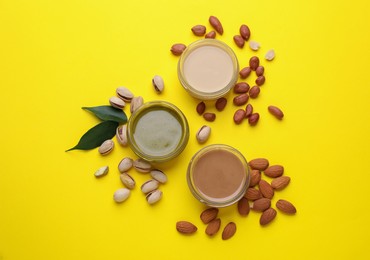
x=57, y=56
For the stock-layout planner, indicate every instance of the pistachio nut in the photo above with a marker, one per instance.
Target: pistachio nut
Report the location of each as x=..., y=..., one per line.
x=117, y=102
x=127, y=180
x=125, y=164
x=124, y=93
x=158, y=175
x=106, y=147
x=149, y=186
x=270, y=55
x=142, y=166
x=203, y=134
x=121, y=195
x=158, y=83
x=154, y=196
x=121, y=135
x=101, y=171
x=136, y=102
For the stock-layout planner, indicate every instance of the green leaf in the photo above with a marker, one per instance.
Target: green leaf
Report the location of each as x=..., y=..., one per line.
x=108, y=113
x=96, y=136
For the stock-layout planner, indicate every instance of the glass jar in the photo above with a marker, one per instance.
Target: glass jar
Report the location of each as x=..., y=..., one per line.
x=208, y=69
x=157, y=131
x=218, y=175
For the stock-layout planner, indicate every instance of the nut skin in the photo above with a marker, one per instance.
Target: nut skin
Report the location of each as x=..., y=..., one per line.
x=245, y=32
x=241, y=87
x=203, y=134
x=198, y=30
x=186, y=227
x=239, y=116
x=245, y=72
x=254, y=62
x=267, y=216
x=208, y=215
x=216, y=24
x=221, y=103
x=210, y=35
x=241, y=99
x=158, y=84
x=275, y=111
x=213, y=227
x=229, y=231
x=178, y=48
x=239, y=41
x=253, y=119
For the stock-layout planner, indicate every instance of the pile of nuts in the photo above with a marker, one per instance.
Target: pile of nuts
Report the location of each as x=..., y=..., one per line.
x=150, y=187
x=257, y=197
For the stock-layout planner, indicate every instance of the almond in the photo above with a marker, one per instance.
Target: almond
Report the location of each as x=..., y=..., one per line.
x=213, y=227
x=260, y=80
x=286, y=207
x=274, y=171
x=280, y=182
x=208, y=215
x=239, y=116
x=229, y=231
x=267, y=216
x=266, y=189
x=261, y=204
x=216, y=24
x=243, y=206
x=259, y=164
x=255, y=178
x=186, y=227
x=241, y=99
x=253, y=194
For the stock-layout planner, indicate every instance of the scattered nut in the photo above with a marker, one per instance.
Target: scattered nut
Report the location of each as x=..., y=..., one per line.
x=274, y=171
x=102, y=171
x=261, y=204
x=210, y=117
x=239, y=116
x=142, y=166
x=286, y=206
x=117, y=102
x=254, y=91
x=245, y=32
x=241, y=99
x=124, y=93
x=125, y=164
x=245, y=72
x=121, y=135
x=159, y=176
x=260, y=164
x=127, y=180
x=260, y=70
x=136, y=102
x=253, y=194
x=255, y=178
x=203, y=134
x=216, y=24
x=198, y=30
x=266, y=189
x=270, y=55
x=254, y=45
x=241, y=87
x=254, y=62
x=149, y=186
x=243, y=206
x=221, y=103
x=211, y=35
x=280, y=183
x=208, y=215
x=275, y=111
x=260, y=80
x=201, y=107
x=106, y=147
x=121, y=195
x=154, y=196
x=158, y=84
x=253, y=119
x=178, y=48
x=239, y=41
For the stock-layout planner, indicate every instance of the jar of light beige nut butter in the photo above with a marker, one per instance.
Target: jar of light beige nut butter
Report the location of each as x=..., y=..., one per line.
x=208, y=69
x=218, y=175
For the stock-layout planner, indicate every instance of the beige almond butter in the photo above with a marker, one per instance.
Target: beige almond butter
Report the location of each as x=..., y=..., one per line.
x=280, y=183
x=286, y=206
x=243, y=206
x=239, y=41
x=255, y=178
x=248, y=110
x=221, y=103
x=261, y=204
x=178, y=48
x=203, y=134
x=186, y=227
x=229, y=231
x=201, y=107
x=239, y=116
x=216, y=24
x=275, y=111
x=241, y=99
x=245, y=32
x=260, y=80
x=266, y=190
x=213, y=227
x=210, y=117
x=208, y=215
x=211, y=35
x=245, y=72
x=198, y=30
x=253, y=119
x=253, y=194
x=254, y=92
x=274, y=171
x=267, y=216
x=241, y=87
x=259, y=164
x=254, y=62
x=106, y=147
